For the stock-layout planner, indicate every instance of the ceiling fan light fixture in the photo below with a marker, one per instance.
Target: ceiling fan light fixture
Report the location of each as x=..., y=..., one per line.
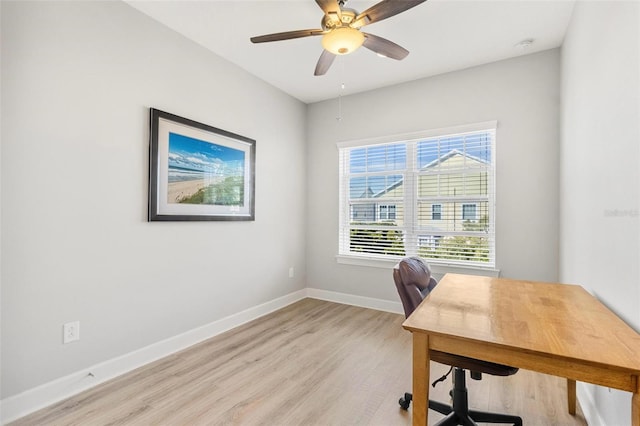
x=342, y=40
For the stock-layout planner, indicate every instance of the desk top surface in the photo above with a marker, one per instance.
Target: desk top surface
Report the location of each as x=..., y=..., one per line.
x=559, y=320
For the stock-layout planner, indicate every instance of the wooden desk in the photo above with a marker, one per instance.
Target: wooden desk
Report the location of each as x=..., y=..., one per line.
x=556, y=329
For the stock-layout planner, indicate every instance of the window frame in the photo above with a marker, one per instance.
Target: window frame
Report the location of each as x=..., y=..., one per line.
x=346, y=256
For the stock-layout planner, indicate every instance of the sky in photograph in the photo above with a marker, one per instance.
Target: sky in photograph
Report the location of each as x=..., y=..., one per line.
x=196, y=155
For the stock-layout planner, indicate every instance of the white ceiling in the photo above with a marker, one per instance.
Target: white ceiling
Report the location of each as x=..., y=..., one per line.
x=441, y=35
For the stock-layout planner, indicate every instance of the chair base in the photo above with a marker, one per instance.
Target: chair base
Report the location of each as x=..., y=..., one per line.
x=458, y=413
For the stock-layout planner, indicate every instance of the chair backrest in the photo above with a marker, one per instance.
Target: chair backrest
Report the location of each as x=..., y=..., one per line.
x=414, y=282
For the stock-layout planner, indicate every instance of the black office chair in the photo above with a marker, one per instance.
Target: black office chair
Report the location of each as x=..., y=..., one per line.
x=414, y=282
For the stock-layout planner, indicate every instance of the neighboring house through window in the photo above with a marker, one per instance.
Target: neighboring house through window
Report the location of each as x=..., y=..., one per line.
x=429, y=194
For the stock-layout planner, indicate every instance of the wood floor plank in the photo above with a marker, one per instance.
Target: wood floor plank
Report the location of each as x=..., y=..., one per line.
x=311, y=363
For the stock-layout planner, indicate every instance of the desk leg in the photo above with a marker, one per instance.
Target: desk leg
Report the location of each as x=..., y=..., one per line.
x=635, y=405
x=421, y=379
x=571, y=396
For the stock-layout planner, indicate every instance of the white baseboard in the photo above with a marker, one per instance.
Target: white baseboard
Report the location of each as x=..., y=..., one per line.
x=27, y=402
x=361, y=301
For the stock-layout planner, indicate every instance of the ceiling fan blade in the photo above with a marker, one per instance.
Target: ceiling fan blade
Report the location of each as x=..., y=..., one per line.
x=286, y=35
x=331, y=8
x=325, y=61
x=384, y=47
x=383, y=10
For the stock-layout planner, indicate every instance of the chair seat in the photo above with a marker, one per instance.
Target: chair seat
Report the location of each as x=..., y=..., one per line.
x=472, y=364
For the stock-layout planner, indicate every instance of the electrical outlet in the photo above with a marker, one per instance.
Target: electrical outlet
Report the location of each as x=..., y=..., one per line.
x=291, y=272
x=71, y=332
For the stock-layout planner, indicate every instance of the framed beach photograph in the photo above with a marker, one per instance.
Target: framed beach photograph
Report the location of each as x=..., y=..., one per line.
x=199, y=172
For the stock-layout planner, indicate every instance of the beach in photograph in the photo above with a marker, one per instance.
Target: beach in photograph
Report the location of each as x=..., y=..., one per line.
x=181, y=189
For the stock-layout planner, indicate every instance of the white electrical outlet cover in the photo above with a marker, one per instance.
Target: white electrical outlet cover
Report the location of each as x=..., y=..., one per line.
x=71, y=332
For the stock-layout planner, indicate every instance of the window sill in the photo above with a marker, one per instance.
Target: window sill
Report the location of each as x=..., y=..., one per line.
x=438, y=268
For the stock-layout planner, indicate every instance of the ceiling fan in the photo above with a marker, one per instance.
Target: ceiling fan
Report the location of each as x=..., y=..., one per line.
x=341, y=33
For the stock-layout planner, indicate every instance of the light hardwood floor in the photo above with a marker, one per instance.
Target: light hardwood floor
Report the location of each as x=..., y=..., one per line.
x=311, y=363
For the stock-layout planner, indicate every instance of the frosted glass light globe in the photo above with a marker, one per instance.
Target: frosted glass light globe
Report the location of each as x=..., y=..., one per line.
x=343, y=40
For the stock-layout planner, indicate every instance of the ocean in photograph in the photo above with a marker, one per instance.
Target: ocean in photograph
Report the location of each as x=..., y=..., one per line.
x=180, y=174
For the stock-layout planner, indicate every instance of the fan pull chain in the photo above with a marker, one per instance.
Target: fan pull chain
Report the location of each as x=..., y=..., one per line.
x=339, y=117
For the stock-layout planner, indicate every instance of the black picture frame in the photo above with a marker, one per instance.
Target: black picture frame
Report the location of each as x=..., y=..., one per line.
x=198, y=172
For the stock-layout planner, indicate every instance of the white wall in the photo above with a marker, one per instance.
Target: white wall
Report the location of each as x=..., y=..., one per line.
x=600, y=157
x=522, y=94
x=77, y=80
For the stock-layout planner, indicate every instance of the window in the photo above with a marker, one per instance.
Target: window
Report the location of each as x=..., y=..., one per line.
x=429, y=194
x=469, y=212
x=432, y=241
x=387, y=212
x=436, y=211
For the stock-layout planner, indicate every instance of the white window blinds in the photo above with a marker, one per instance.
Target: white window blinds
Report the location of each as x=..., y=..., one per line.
x=431, y=196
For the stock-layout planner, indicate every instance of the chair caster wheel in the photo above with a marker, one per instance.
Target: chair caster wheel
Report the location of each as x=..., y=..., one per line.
x=406, y=401
x=404, y=404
